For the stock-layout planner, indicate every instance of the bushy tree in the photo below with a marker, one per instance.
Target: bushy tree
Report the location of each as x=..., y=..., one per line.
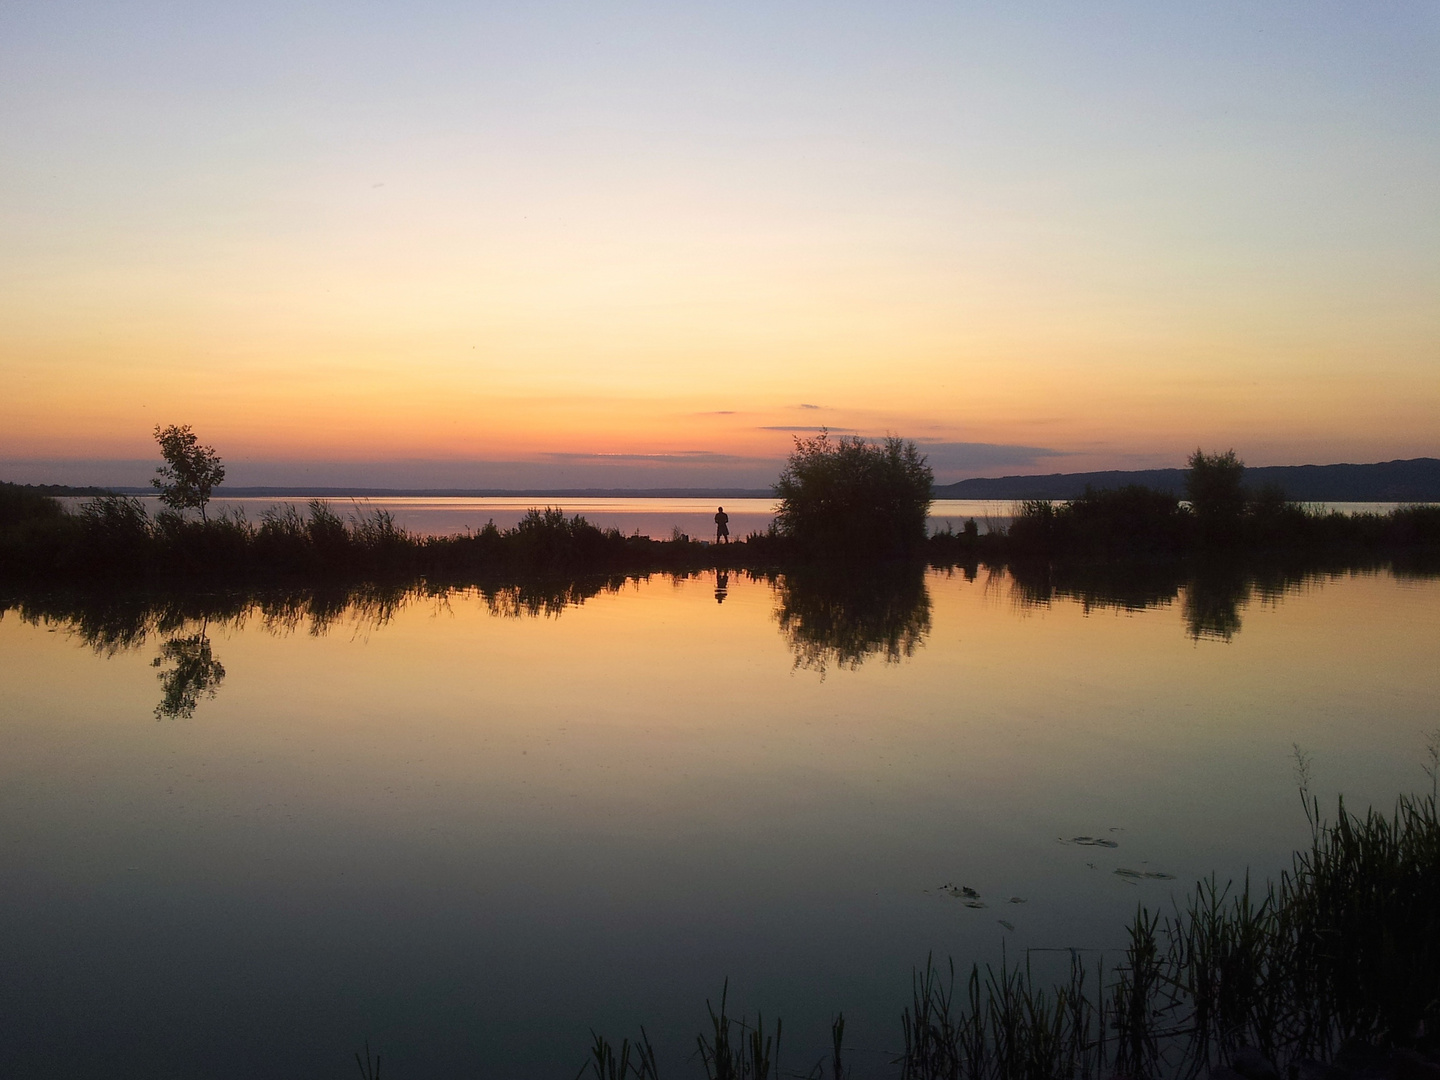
x=1217, y=500
x=849, y=497
x=190, y=472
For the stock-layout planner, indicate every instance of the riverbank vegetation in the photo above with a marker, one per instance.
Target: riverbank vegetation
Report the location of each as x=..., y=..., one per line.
x=114, y=539
x=842, y=502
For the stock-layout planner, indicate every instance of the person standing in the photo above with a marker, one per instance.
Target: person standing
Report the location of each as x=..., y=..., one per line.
x=722, y=526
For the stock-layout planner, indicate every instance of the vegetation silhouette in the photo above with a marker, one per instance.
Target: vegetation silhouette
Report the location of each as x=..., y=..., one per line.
x=834, y=617
x=847, y=498
x=190, y=472
x=842, y=500
x=1222, y=517
x=1217, y=500
x=1126, y=523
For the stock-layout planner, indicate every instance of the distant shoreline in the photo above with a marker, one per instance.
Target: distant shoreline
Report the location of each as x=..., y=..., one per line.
x=1403, y=481
x=227, y=492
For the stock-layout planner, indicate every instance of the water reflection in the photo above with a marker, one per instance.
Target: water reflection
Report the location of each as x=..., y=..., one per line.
x=114, y=623
x=193, y=673
x=842, y=616
x=1213, y=595
x=829, y=617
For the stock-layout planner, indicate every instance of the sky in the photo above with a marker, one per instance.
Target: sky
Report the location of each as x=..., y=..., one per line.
x=649, y=244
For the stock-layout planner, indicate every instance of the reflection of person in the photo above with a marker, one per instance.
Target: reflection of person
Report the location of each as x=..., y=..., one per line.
x=722, y=526
x=722, y=585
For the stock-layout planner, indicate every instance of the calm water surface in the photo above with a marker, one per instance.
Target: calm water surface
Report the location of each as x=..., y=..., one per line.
x=469, y=830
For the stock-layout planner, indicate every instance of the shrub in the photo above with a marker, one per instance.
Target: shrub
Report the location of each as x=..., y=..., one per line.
x=1217, y=500
x=1127, y=522
x=850, y=497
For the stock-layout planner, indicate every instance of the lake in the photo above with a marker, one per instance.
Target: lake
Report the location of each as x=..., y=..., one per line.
x=245, y=835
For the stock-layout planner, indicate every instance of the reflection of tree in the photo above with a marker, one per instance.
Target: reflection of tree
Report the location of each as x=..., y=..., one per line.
x=194, y=672
x=1214, y=598
x=1121, y=586
x=846, y=615
x=1214, y=592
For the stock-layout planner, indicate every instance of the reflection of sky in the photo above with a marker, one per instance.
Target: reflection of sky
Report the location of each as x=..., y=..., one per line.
x=470, y=838
x=647, y=238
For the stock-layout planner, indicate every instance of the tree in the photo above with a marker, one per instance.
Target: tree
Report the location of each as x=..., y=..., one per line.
x=850, y=497
x=190, y=471
x=1216, y=498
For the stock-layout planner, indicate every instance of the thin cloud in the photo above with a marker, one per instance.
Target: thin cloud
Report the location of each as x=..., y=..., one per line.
x=687, y=457
x=968, y=455
x=802, y=427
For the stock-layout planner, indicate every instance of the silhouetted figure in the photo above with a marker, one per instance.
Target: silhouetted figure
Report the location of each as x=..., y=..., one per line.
x=722, y=585
x=722, y=526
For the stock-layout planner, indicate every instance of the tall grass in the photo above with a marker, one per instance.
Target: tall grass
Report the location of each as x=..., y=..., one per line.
x=113, y=538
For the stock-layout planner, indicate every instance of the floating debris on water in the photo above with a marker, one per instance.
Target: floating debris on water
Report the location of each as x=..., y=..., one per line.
x=958, y=890
x=1016, y=900
x=1153, y=875
x=1007, y=925
x=1089, y=841
x=951, y=889
x=967, y=896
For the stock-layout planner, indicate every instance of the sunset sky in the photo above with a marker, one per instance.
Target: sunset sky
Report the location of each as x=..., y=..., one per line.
x=645, y=244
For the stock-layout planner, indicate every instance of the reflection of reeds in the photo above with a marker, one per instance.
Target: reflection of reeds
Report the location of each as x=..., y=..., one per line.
x=1342, y=953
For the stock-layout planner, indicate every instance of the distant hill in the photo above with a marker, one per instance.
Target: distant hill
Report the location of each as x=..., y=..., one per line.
x=1415, y=480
